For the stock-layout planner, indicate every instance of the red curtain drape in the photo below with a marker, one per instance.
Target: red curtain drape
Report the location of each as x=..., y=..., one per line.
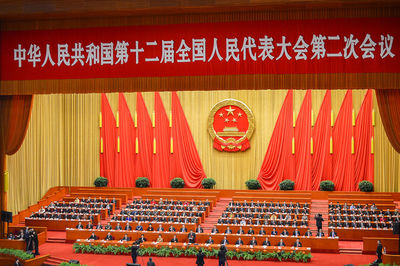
x=321, y=133
x=162, y=135
x=144, y=134
x=278, y=162
x=342, y=163
x=302, y=136
x=125, y=158
x=184, y=147
x=388, y=102
x=363, y=134
x=108, y=140
x=15, y=113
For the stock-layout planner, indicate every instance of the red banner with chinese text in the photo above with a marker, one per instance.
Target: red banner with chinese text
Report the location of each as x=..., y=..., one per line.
x=258, y=47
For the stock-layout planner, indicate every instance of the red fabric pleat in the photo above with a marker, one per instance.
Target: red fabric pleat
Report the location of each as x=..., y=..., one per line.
x=162, y=134
x=302, y=136
x=108, y=135
x=278, y=162
x=125, y=159
x=321, y=133
x=343, y=173
x=184, y=147
x=144, y=133
x=363, y=133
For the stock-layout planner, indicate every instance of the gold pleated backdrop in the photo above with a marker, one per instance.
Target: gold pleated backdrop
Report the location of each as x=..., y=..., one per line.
x=61, y=147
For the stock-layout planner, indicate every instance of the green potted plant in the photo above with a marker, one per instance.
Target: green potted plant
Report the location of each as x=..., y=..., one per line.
x=366, y=186
x=142, y=182
x=101, y=182
x=208, y=183
x=177, y=182
x=286, y=184
x=326, y=185
x=253, y=184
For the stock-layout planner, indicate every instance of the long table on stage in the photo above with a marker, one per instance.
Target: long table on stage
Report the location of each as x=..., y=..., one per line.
x=317, y=244
x=57, y=225
x=147, y=244
x=358, y=234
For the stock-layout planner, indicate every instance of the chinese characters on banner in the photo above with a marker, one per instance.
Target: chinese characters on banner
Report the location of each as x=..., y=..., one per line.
x=262, y=47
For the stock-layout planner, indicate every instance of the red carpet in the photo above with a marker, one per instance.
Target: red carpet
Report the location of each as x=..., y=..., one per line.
x=65, y=251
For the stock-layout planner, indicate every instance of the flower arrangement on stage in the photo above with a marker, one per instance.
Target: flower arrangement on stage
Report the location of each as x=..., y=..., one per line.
x=177, y=182
x=142, y=182
x=192, y=251
x=101, y=182
x=366, y=186
x=327, y=185
x=208, y=183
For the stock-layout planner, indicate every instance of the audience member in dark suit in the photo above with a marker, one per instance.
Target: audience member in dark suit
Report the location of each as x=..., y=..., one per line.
x=210, y=241
x=253, y=242
x=174, y=239
x=183, y=229
x=79, y=226
x=320, y=233
x=228, y=230
x=308, y=233
x=128, y=226
x=141, y=239
x=191, y=237
x=118, y=227
x=281, y=244
x=89, y=225
x=297, y=244
x=109, y=237
x=126, y=238
x=224, y=241
x=332, y=233
x=108, y=226
x=93, y=237
x=239, y=242
x=266, y=242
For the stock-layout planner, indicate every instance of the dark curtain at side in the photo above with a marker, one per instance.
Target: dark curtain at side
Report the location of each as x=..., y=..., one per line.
x=302, y=136
x=388, y=102
x=278, y=162
x=125, y=157
x=184, y=147
x=162, y=135
x=363, y=134
x=342, y=163
x=322, y=133
x=108, y=141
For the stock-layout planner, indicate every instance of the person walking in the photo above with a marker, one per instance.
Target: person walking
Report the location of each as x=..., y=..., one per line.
x=222, y=256
x=319, y=220
x=200, y=258
x=134, y=249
